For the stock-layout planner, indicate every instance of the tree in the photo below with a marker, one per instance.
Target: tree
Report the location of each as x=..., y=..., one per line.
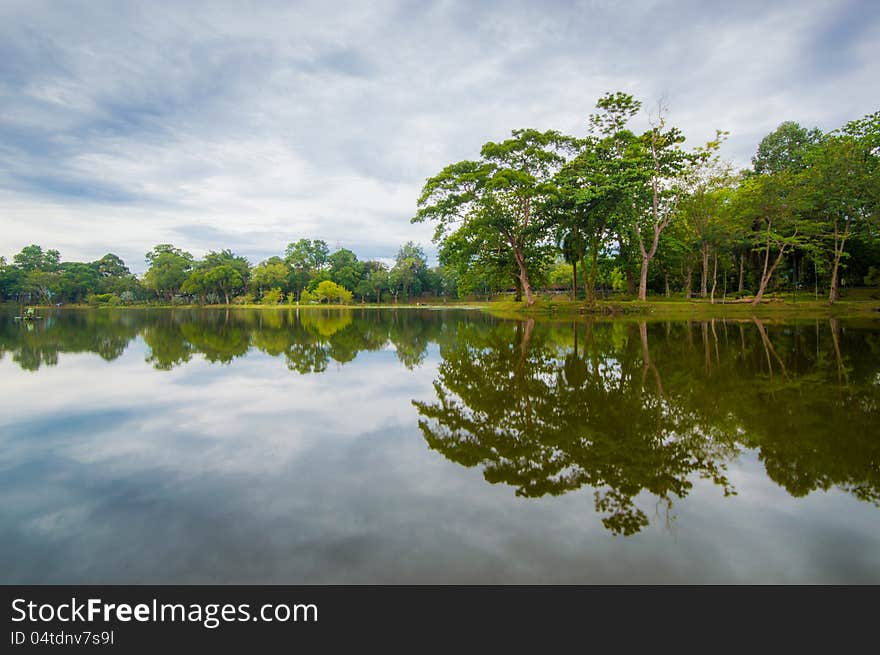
x=77, y=280
x=378, y=281
x=34, y=258
x=307, y=255
x=707, y=188
x=111, y=266
x=273, y=296
x=768, y=204
x=169, y=267
x=504, y=193
x=344, y=268
x=329, y=291
x=844, y=184
x=665, y=162
x=409, y=271
x=305, y=258
x=785, y=149
x=269, y=274
x=595, y=188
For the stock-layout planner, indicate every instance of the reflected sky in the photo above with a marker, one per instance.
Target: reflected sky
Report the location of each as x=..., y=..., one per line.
x=233, y=466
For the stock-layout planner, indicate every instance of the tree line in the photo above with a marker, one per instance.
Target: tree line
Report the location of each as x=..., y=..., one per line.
x=306, y=273
x=615, y=210
x=639, y=212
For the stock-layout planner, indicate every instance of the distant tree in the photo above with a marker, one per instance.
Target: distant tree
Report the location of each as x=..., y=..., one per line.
x=272, y=297
x=169, y=267
x=329, y=291
x=34, y=258
x=785, y=148
x=110, y=266
x=409, y=271
x=345, y=269
x=269, y=274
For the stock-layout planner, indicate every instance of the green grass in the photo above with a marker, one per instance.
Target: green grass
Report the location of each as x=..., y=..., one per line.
x=864, y=302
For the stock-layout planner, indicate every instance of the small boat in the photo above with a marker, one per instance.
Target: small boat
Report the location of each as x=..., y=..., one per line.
x=29, y=315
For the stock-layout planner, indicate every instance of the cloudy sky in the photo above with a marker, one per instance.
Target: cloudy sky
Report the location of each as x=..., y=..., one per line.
x=249, y=125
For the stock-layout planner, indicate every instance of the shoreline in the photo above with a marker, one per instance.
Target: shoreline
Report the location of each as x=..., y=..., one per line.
x=572, y=310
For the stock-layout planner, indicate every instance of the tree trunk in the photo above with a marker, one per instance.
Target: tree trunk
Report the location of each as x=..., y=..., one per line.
x=226, y=295
x=688, y=282
x=574, y=279
x=643, y=278
x=704, y=278
x=630, y=282
x=666, y=283
x=590, y=284
x=714, y=279
x=742, y=268
x=767, y=274
x=524, y=276
x=834, y=294
x=517, y=294
x=839, y=243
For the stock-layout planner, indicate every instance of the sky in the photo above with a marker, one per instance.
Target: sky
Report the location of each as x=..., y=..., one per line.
x=248, y=125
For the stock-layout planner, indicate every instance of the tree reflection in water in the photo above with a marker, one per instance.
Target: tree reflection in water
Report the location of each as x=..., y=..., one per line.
x=626, y=408
x=634, y=407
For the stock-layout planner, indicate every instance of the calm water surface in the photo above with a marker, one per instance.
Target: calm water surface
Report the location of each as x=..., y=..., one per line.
x=425, y=446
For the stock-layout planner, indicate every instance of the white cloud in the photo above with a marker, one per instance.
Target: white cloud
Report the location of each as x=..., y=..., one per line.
x=209, y=125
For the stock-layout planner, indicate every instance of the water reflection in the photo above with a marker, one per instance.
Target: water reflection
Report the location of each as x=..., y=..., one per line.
x=636, y=412
x=633, y=408
x=308, y=340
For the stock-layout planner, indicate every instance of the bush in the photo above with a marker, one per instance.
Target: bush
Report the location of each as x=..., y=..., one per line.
x=272, y=297
x=110, y=299
x=243, y=299
x=332, y=292
x=872, y=279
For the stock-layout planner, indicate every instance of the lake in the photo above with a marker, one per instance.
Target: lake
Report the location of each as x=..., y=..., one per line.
x=420, y=446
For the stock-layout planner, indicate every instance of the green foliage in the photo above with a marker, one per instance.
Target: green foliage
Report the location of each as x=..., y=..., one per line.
x=269, y=274
x=500, y=200
x=272, y=297
x=785, y=149
x=110, y=299
x=33, y=258
x=168, y=269
x=329, y=291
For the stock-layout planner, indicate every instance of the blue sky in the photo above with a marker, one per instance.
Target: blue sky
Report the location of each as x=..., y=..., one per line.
x=249, y=125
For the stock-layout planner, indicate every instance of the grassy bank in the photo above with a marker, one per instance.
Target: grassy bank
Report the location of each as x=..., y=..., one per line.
x=857, y=303
x=685, y=309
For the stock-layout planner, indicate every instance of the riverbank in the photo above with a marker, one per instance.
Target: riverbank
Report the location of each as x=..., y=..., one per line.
x=684, y=309
x=862, y=304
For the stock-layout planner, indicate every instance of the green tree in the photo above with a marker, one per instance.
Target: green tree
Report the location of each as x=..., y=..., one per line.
x=409, y=270
x=168, y=268
x=843, y=180
x=34, y=258
x=663, y=163
x=504, y=193
x=345, y=269
x=270, y=274
x=329, y=291
x=785, y=149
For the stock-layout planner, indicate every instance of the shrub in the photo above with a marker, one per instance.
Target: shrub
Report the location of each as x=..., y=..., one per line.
x=104, y=299
x=272, y=297
x=872, y=279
